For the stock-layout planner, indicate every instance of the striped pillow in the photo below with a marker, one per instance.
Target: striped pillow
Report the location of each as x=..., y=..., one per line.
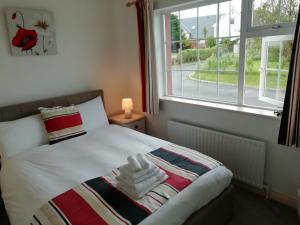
x=62, y=123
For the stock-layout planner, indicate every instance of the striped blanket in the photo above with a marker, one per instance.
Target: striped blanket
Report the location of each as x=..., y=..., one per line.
x=99, y=201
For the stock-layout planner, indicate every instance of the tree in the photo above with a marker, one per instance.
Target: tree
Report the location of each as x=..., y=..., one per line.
x=211, y=42
x=175, y=33
x=269, y=11
x=205, y=31
x=175, y=27
x=289, y=10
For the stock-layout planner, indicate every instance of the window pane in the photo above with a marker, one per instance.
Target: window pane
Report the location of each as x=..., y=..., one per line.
x=174, y=83
x=268, y=74
x=189, y=55
x=188, y=20
x=289, y=10
x=189, y=85
x=228, y=86
x=205, y=76
x=229, y=54
x=224, y=19
x=235, y=20
x=265, y=12
x=172, y=26
x=252, y=76
x=286, y=54
x=230, y=18
x=207, y=21
x=208, y=54
x=275, y=85
x=200, y=63
x=173, y=56
x=208, y=86
x=273, y=54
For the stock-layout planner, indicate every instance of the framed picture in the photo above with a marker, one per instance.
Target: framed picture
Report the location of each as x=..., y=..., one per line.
x=31, y=32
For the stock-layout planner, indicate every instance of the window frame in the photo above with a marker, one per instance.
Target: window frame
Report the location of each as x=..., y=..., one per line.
x=268, y=27
x=246, y=31
x=264, y=67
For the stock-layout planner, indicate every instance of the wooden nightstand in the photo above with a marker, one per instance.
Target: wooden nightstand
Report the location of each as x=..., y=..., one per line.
x=137, y=122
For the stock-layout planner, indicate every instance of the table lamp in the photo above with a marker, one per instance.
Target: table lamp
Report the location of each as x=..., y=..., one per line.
x=127, y=106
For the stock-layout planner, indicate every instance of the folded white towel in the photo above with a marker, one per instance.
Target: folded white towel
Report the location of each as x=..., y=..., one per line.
x=126, y=170
x=145, y=163
x=139, y=187
x=129, y=179
x=137, y=195
x=134, y=163
x=149, y=177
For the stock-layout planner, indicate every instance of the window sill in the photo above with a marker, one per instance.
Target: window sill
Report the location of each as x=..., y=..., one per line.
x=227, y=107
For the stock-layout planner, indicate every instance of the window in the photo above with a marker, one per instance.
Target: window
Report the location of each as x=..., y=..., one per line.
x=271, y=12
x=275, y=59
x=234, y=51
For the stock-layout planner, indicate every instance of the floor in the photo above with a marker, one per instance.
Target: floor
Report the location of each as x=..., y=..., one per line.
x=250, y=209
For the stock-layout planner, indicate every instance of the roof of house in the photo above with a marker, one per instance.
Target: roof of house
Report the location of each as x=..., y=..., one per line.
x=189, y=25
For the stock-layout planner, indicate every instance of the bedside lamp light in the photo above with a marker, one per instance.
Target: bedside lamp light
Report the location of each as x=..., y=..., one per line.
x=127, y=106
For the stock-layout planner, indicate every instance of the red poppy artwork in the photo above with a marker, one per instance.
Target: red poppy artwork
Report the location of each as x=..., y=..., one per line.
x=31, y=32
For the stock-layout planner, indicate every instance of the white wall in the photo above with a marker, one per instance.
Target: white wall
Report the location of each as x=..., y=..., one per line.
x=85, y=59
x=283, y=164
x=127, y=45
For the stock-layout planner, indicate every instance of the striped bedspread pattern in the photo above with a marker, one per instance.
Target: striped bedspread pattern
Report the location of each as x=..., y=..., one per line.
x=100, y=202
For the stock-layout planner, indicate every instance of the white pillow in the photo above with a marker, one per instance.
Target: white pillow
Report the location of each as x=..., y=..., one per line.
x=20, y=135
x=93, y=114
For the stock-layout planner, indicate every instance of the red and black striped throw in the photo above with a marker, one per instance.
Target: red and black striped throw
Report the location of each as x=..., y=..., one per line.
x=100, y=202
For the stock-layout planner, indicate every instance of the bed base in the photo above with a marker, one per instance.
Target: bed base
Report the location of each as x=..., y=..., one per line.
x=217, y=212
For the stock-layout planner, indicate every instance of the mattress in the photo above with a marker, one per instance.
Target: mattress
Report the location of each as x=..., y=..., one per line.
x=30, y=179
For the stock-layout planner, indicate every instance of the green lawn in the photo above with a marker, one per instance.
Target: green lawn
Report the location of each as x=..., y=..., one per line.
x=252, y=78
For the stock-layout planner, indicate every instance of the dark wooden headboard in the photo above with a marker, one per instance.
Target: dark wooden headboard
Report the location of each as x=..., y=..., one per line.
x=13, y=112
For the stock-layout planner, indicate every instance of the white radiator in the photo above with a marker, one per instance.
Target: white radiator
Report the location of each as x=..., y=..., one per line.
x=243, y=156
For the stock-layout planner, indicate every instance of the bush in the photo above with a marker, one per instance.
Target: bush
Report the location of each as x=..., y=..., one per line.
x=212, y=63
x=190, y=55
x=229, y=61
x=186, y=44
x=205, y=53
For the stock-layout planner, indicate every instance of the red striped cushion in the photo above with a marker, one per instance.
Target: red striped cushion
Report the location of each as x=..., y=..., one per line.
x=62, y=123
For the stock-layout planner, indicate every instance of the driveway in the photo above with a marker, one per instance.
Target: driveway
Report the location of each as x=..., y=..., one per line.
x=184, y=86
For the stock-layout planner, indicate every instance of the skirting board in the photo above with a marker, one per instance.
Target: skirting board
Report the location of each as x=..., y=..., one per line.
x=283, y=198
x=273, y=195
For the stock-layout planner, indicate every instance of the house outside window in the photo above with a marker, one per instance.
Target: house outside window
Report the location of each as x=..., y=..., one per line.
x=237, y=51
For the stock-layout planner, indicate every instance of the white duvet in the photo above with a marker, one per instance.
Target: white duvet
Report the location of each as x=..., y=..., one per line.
x=30, y=179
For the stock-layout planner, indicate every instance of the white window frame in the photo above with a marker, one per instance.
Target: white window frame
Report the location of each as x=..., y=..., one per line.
x=246, y=31
x=264, y=67
x=269, y=28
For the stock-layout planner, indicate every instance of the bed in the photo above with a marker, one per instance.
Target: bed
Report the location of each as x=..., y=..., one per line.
x=31, y=178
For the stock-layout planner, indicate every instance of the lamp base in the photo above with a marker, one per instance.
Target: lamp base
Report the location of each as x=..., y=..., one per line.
x=128, y=115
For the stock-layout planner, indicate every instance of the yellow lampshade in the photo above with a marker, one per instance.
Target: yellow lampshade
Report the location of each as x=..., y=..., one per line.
x=127, y=104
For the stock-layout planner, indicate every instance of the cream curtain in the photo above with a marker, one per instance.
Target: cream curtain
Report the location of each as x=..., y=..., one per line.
x=145, y=13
